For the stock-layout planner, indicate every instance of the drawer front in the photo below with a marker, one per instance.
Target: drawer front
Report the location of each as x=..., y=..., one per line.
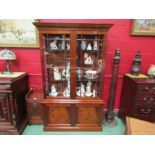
x=147, y=89
x=146, y=99
x=144, y=110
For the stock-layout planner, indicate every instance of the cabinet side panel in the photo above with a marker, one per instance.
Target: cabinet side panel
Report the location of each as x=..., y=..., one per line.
x=127, y=96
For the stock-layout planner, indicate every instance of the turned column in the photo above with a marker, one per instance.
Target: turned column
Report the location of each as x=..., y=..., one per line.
x=109, y=116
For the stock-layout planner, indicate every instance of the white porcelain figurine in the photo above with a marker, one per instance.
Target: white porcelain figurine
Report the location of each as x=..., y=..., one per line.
x=63, y=43
x=53, y=45
x=68, y=46
x=89, y=84
x=53, y=91
x=94, y=93
x=81, y=91
x=57, y=75
x=83, y=45
x=89, y=47
x=95, y=46
x=88, y=89
x=87, y=59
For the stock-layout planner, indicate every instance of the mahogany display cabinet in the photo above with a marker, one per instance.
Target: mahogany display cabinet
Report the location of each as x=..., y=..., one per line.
x=73, y=64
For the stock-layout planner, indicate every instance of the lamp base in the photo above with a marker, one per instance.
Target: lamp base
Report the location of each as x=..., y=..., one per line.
x=8, y=68
x=7, y=72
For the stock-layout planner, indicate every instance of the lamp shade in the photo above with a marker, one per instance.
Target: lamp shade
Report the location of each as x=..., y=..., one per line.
x=7, y=55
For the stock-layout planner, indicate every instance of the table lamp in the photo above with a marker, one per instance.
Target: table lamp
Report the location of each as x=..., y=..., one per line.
x=7, y=55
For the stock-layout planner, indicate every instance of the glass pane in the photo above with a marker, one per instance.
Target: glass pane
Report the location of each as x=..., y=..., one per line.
x=57, y=65
x=89, y=65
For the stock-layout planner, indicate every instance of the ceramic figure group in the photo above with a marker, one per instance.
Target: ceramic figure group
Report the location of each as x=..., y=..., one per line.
x=57, y=74
x=53, y=91
x=88, y=59
x=82, y=91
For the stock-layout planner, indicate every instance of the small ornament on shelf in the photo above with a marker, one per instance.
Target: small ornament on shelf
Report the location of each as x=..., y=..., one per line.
x=53, y=91
x=89, y=47
x=83, y=44
x=63, y=43
x=79, y=73
x=91, y=74
x=94, y=93
x=88, y=59
x=57, y=75
x=136, y=64
x=53, y=45
x=95, y=45
x=88, y=89
x=68, y=46
x=81, y=91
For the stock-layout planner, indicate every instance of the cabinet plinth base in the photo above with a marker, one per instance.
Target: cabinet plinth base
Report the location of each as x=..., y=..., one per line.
x=70, y=128
x=84, y=116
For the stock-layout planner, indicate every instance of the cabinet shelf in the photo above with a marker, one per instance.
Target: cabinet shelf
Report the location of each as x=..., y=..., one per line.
x=89, y=51
x=58, y=39
x=51, y=66
x=57, y=97
x=57, y=81
x=89, y=39
x=85, y=79
x=56, y=51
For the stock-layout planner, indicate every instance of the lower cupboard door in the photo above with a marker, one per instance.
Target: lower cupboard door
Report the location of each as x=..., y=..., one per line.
x=88, y=115
x=75, y=115
x=59, y=115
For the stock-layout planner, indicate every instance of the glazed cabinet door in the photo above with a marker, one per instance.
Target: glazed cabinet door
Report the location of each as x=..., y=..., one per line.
x=89, y=64
x=56, y=66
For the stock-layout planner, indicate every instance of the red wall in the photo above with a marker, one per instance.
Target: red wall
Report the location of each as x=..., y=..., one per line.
x=28, y=59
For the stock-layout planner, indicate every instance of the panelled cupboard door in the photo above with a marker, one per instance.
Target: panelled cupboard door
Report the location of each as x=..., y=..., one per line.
x=74, y=117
